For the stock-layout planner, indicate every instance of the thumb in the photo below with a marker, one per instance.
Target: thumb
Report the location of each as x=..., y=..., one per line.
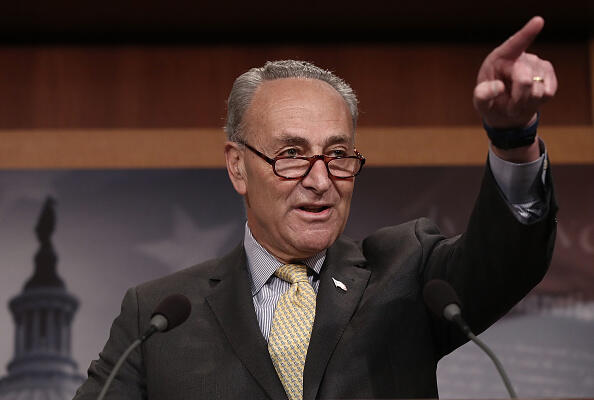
x=485, y=92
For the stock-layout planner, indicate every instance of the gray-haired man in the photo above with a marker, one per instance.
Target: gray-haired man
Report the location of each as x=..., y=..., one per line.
x=299, y=311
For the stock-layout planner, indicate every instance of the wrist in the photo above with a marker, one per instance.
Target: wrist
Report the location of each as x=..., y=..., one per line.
x=515, y=137
x=519, y=155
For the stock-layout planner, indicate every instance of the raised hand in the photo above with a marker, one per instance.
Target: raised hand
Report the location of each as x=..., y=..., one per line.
x=513, y=84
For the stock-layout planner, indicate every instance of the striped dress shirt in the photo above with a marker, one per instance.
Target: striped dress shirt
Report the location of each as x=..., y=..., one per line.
x=266, y=287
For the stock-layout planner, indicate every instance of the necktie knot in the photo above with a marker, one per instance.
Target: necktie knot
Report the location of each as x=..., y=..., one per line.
x=292, y=273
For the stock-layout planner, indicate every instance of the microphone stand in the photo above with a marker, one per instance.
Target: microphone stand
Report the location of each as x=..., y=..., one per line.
x=117, y=367
x=457, y=318
x=123, y=358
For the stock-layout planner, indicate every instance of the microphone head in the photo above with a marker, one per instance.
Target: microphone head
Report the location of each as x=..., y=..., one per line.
x=175, y=309
x=439, y=294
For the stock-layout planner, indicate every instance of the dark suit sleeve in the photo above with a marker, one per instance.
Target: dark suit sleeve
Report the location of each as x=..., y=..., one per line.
x=129, y=383
x=493, y=265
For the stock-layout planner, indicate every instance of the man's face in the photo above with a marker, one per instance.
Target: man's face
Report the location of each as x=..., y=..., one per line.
x=294, y=219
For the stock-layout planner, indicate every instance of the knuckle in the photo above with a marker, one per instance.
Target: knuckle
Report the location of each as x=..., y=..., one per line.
x=548, y=94
x=538, y=96
x=524, y=81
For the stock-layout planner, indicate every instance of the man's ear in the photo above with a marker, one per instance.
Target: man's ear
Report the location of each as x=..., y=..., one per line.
x=235, y=167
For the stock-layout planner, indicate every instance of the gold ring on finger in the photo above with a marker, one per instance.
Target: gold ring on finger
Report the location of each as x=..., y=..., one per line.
x=538, y=79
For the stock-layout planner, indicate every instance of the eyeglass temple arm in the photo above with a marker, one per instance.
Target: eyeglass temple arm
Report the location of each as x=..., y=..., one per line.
x=262, y=156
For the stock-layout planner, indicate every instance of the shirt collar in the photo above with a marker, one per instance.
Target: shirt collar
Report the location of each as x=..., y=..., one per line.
x=262, y=264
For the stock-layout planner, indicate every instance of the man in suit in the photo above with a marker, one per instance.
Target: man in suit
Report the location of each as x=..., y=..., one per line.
x=298, y=311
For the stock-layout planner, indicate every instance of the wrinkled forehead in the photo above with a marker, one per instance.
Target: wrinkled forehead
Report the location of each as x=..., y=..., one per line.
x=298, y=110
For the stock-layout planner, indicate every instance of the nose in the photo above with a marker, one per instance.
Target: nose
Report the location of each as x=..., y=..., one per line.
x=318, y=178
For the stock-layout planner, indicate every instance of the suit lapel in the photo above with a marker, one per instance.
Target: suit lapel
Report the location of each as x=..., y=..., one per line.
x=334, y=309
x=232, y=304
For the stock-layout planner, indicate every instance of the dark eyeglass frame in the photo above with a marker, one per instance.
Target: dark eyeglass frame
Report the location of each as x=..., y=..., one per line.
x=311, y=159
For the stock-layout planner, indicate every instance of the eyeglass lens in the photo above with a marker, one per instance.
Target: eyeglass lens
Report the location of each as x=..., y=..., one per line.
x=295, y=168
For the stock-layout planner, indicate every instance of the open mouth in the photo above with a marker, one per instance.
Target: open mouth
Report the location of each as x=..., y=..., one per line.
x=314, y=209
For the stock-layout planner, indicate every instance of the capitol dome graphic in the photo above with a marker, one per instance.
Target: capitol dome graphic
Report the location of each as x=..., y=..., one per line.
x=42, y=367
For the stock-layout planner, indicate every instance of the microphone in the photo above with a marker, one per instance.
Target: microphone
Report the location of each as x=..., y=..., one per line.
x=171, y=312
x=443, y=301
x=441, y=298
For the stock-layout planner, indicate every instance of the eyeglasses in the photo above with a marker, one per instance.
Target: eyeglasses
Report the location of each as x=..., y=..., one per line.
x=297, y=167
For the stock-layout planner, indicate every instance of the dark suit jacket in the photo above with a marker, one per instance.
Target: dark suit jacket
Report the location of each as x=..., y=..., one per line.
x=376, y=340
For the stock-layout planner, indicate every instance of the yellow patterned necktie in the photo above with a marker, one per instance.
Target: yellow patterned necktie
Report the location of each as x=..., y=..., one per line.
x=291, y=328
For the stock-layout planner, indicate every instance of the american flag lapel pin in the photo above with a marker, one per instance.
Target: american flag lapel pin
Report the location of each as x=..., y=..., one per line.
x=339, y=284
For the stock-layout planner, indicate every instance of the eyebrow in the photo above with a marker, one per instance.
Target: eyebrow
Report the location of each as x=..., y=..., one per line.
x=335, y=139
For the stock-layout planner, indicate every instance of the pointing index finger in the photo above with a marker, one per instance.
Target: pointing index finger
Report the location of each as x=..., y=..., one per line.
x=513, y=47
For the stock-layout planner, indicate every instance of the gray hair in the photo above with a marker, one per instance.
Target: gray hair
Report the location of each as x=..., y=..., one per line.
x=247, y=83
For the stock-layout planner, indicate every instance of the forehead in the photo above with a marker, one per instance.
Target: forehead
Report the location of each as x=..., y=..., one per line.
x=308, y=109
